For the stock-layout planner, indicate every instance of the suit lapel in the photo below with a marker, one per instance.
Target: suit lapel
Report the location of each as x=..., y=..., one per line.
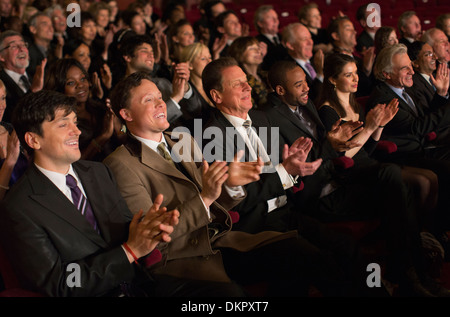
x=51, y=198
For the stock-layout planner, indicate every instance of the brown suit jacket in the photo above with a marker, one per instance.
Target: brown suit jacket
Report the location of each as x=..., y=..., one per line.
x=142, y=174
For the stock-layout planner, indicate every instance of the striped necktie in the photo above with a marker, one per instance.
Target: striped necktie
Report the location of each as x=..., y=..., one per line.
x=80, y=201
x=410, y=102
x=164, y=153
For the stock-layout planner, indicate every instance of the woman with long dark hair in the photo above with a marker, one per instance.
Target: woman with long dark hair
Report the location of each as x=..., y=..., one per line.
x=337, y=102
x=100, y=129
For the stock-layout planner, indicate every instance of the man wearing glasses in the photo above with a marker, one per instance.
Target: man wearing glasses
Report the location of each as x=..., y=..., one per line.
x=15, y=59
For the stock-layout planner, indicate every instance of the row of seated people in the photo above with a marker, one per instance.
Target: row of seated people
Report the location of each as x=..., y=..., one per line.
x=264, y=195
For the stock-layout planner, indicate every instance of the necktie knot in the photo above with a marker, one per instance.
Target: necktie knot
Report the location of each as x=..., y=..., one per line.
x=165, y=153
x=311, y=70
x=247, y=124
x=25, y=81
x=71, y=181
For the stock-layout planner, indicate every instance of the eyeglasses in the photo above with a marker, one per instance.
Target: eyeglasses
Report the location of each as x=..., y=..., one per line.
x=15, y=47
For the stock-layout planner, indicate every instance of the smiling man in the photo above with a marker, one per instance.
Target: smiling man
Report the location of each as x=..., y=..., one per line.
x=204, y=249
x=67, y=213
x=411, y=127
x=15, y=60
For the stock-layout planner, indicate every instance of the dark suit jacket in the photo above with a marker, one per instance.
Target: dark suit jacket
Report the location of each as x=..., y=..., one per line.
x=43, y=232
x=290, y=129
x=253, y=209
x=36, y=57
x=13, y=94
x=364, y=40
x=406, y=129
x=274, y=52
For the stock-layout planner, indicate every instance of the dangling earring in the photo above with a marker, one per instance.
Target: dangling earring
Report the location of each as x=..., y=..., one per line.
x=334, y=87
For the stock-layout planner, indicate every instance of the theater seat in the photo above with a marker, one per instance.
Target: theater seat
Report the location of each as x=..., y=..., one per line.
x=12, y=286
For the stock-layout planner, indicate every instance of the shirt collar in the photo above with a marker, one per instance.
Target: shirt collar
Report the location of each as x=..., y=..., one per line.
x=60, y=179
x=150, y=143
x=236, y=121
x=15, y=76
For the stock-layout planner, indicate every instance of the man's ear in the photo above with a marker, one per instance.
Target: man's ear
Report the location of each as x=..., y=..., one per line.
x=335, y=36
x=32, y=140
x=216, y=96
x=125, y=114
x=415, y=64
x=387, y=75
x=126, y=58
x=221, y=29
x=32, y=29
x=280, y=90
x=288, y=46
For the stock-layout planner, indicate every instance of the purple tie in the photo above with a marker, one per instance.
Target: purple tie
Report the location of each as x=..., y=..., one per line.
x=81, y=202
x=311, y=70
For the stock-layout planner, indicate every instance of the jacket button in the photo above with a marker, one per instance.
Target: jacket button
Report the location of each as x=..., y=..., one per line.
x=193, y=241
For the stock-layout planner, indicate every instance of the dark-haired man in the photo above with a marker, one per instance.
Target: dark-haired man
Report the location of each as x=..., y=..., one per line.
x=64, y=226
x=137, y=52
x=203, y=245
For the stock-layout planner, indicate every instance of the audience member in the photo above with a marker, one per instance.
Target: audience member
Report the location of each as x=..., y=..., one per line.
x=205, y=28
x=49, y=237
x=331, y=195
x=309, y=15
x=229, y=28
x=249, y=54
x=385, y=36
x=343, y=35
x=299, y=45
x=267, y=25
x=338, y=102
x=440, y=44
x=100, y=129
x=13, y=162
x=203, y=194
x=409, y=28
x=197, y=55
x=443, y=23
x=41, y=28
x=411, y=127
x=138, y=55
x=367, y=36
x=181, y=34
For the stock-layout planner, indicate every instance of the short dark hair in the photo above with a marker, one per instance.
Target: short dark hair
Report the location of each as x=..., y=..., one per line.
x=35, y=108
x=55, y=78
x=414, y=50
x=220, y=19
x=212, y=74
x=277, y=73
x=129, y=44
x=335, y=25
x=120, y=95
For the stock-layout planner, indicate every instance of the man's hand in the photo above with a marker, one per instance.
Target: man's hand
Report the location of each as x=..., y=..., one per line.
x=38, y=79
x=340, y=134
x=213, y=177
x=442, y=80
x=154, y=227
x=294, y=158
x=243, y=173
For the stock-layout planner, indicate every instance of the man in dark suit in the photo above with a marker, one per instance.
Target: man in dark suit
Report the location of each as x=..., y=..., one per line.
x=411, y=127
x=343, y=37
x=64, y=226
x=365, y=40
x=267, y=23
x=409, y=28
x=364, y=191
x=299, y=46
x=440, y=44
x=203, y=194
x=268, y=205
x=15, y=60
x=41, y=29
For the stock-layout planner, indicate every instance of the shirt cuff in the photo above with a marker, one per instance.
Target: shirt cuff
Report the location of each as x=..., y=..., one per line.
x=235, y=192
x=206, y=208
x=286, y=179
x=188, y=93
x=175, y=103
